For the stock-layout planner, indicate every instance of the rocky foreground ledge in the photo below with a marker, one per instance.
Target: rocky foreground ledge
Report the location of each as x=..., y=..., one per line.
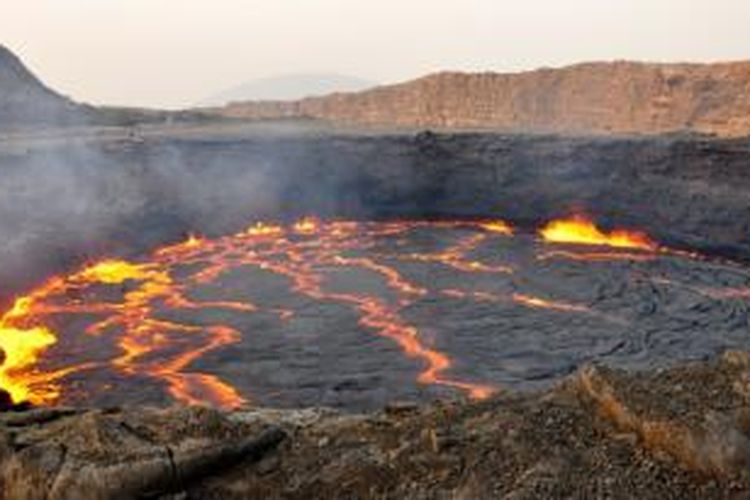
x=602, y=433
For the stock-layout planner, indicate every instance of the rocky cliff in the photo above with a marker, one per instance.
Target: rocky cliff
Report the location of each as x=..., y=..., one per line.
x=619, y=97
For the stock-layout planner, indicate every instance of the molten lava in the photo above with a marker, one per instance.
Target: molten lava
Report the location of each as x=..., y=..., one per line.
x=146, y=311
x=114, y=272
x=138, y=293
x=497, y=226
x=22, y=348
x=582, y=231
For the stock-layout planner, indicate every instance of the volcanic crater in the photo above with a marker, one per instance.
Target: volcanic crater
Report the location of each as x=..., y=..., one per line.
x=356, y=314
x=168, y=270
x=179, y=288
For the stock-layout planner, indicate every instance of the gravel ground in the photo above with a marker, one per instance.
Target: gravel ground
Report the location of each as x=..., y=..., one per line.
x=601, y=433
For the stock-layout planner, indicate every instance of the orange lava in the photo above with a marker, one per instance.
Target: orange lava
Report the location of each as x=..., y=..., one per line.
x=497, y=226
x=582, y=231
x=138, y=293
x=22, y=342
x=457, y=255
x=527, y=300
x=262, y=229
x=134, y=304
x=308, y=225
x=532, y=301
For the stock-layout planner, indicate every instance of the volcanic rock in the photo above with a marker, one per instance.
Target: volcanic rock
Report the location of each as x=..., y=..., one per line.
x=122, y=454
x=677, y=433
x=6, y=401
x=604, y=98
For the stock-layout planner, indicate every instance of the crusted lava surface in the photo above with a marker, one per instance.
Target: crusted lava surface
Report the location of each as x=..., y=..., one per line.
x=354, y=315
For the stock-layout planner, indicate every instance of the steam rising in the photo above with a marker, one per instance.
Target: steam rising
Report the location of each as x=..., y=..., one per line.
x=63, y=204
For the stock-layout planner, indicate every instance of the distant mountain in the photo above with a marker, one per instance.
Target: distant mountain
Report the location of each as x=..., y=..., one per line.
x=288, y=87
x=25, y=100
x=600, y=98
x=604, y=98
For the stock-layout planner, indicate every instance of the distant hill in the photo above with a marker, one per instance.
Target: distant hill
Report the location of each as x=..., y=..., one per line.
x=288, y=87
x=616, y=97
x=25, y=100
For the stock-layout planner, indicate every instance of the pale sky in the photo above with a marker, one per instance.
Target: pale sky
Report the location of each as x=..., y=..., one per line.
x=171, y=53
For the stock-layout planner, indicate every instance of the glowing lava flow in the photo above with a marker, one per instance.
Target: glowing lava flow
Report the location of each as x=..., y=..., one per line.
x=141, y=333
x=456, y=256
x=145, y=334
x=582, y=231
x=23, y=340
x=537, y=302
x=126, y=302
x=527, y=300
x=134, y=305
x=22, y=348
x=302, y=263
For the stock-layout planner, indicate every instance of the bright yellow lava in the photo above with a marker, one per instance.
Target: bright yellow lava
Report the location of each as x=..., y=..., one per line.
x=114, y=272
x=21, y=349
x=582, y=231
x=497, y=226
x=308, y=225
x=262, y=229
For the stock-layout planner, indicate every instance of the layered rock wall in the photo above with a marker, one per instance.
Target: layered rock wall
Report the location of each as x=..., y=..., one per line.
x=605, y=98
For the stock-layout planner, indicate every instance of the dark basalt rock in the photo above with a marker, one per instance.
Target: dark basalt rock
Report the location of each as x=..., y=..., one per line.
x=6, y=401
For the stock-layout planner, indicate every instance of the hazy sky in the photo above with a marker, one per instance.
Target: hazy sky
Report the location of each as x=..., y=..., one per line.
x=176, y=52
